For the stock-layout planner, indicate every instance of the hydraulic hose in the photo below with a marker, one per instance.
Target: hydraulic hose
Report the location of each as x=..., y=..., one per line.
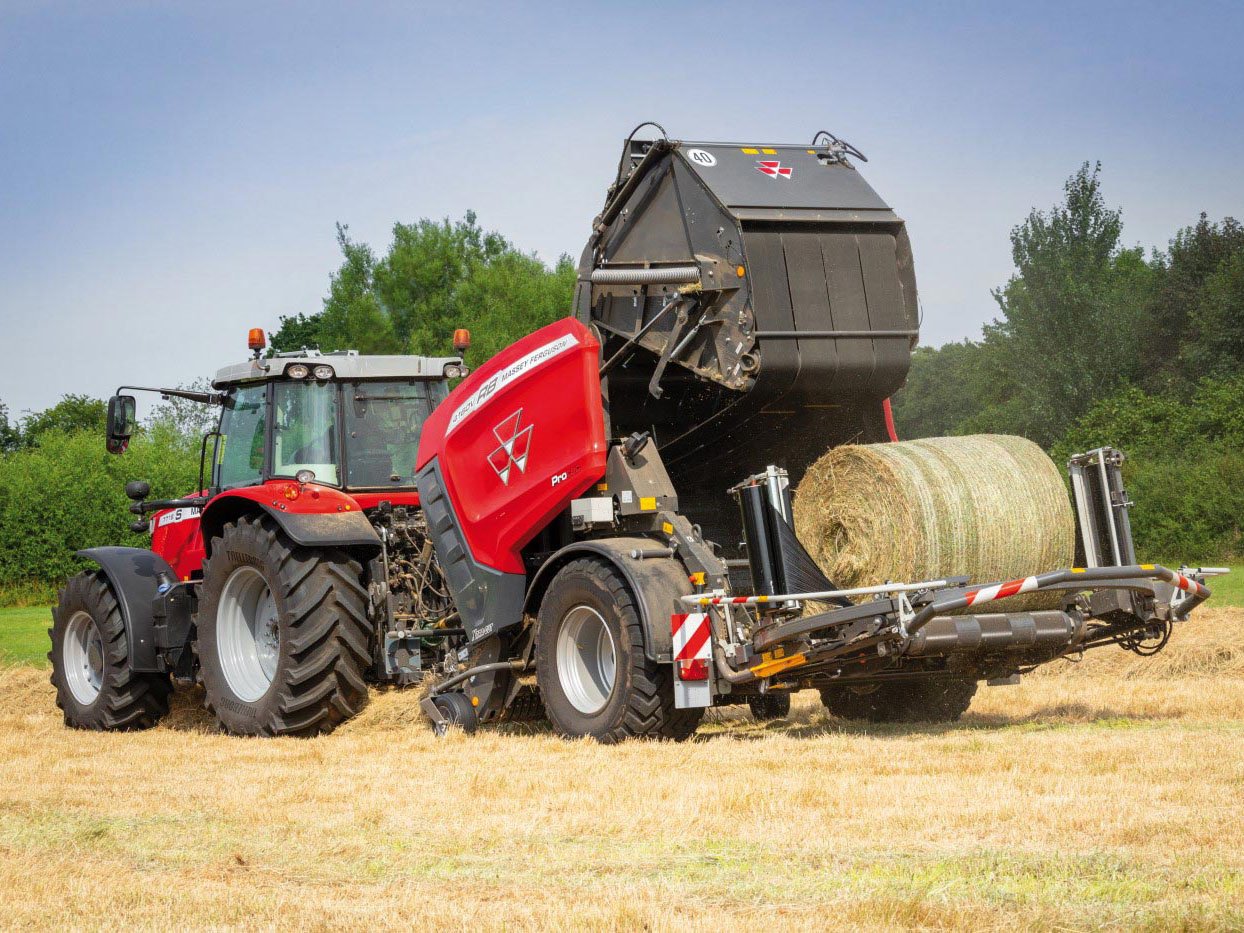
x=517, y=664
x=726, y=672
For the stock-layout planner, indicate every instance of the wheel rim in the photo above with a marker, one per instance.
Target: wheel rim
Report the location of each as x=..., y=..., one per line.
x=586, y=659
x=248, y=637
x=83, y=656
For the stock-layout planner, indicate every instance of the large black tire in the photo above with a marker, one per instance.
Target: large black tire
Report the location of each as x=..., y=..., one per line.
x=99, y=662
x=942, y=700
x=768, y=706
x=318, y=609
x=640, y=699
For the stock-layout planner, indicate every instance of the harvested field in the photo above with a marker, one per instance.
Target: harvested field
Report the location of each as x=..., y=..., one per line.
x=1109, y=793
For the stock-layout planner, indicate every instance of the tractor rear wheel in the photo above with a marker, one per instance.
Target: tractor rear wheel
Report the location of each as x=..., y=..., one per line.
x=594, y=677
x=942, y=700
x=95, y=687
x=283, y=633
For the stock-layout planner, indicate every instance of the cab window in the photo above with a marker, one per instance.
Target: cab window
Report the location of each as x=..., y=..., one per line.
x=383, y=421
x=304, y=430
x=239, y=460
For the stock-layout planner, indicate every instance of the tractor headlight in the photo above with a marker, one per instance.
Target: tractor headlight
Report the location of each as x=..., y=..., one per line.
x=305, y=476
x=456, y=371
x=323, y=372
x=297, y=371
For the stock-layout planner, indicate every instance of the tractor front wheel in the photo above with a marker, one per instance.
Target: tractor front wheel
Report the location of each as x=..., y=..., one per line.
x=594, y=677
x=283, y=634
x=95, y=687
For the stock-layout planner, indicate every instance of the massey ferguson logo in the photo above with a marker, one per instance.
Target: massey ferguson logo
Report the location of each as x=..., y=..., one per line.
x=515, y=445
x=774, y=168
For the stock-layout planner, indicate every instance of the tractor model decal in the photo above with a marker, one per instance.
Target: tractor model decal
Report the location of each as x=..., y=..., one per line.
x=176, y=516
x=506, y=376
x=515, y=446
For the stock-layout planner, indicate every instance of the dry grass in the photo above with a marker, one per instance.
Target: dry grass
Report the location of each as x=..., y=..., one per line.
x=1106, y=794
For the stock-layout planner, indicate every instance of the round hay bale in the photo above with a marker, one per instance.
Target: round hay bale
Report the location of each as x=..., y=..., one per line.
x=991, y=506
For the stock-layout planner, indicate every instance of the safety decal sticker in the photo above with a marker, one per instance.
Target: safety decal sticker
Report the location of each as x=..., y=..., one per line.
x=702, y=157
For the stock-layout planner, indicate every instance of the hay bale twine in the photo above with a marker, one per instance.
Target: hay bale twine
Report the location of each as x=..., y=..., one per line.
x=988, y=505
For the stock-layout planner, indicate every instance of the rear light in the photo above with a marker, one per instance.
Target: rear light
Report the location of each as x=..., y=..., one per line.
x=693, y=670
x=297, y=371
x=323, y=372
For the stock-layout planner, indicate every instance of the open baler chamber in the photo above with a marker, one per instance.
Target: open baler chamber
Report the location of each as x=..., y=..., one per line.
x=756, y=305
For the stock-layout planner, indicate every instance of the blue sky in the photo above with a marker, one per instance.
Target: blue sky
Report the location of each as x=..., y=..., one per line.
x=170, y=173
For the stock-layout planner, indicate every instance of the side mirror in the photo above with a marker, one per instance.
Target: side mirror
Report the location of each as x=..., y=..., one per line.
x=121, y=416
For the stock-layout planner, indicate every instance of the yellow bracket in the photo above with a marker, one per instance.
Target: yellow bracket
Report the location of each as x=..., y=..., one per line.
x=769, y=668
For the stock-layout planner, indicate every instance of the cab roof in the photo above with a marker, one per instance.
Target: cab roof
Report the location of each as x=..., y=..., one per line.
x=347, y=365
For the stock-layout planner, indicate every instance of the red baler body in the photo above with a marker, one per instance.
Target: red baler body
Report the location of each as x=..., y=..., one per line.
x=519, y=439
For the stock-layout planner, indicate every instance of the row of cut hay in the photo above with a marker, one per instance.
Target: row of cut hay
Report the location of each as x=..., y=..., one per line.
x=992, y=507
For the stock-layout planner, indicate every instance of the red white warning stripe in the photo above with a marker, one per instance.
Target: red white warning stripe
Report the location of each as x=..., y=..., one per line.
x=691, y=636
x=1188, y=586
x=1001, y=591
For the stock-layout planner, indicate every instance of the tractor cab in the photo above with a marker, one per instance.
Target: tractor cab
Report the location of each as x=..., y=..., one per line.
x=335, y=419
x=338, y=419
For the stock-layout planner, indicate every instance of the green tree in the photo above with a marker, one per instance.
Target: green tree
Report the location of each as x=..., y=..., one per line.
x=1193, y=324
x=296, y=332
x=10, y=436
x=71, y=414
x=1073, y=312
x=1216, y=343
x=353, y=316
x=943, y=390
x=434, y=278
x=419, y=281
x=509, y=297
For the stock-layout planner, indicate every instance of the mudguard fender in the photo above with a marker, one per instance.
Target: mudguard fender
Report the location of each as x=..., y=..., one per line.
x=135, y=574
x=656, y=583
x=331, y=520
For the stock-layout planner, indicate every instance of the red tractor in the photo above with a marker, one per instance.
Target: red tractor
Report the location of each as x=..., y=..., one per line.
x=520, y=542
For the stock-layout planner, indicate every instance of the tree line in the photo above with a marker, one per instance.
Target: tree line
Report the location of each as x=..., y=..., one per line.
x=1096, y=342
x=1084, y=318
